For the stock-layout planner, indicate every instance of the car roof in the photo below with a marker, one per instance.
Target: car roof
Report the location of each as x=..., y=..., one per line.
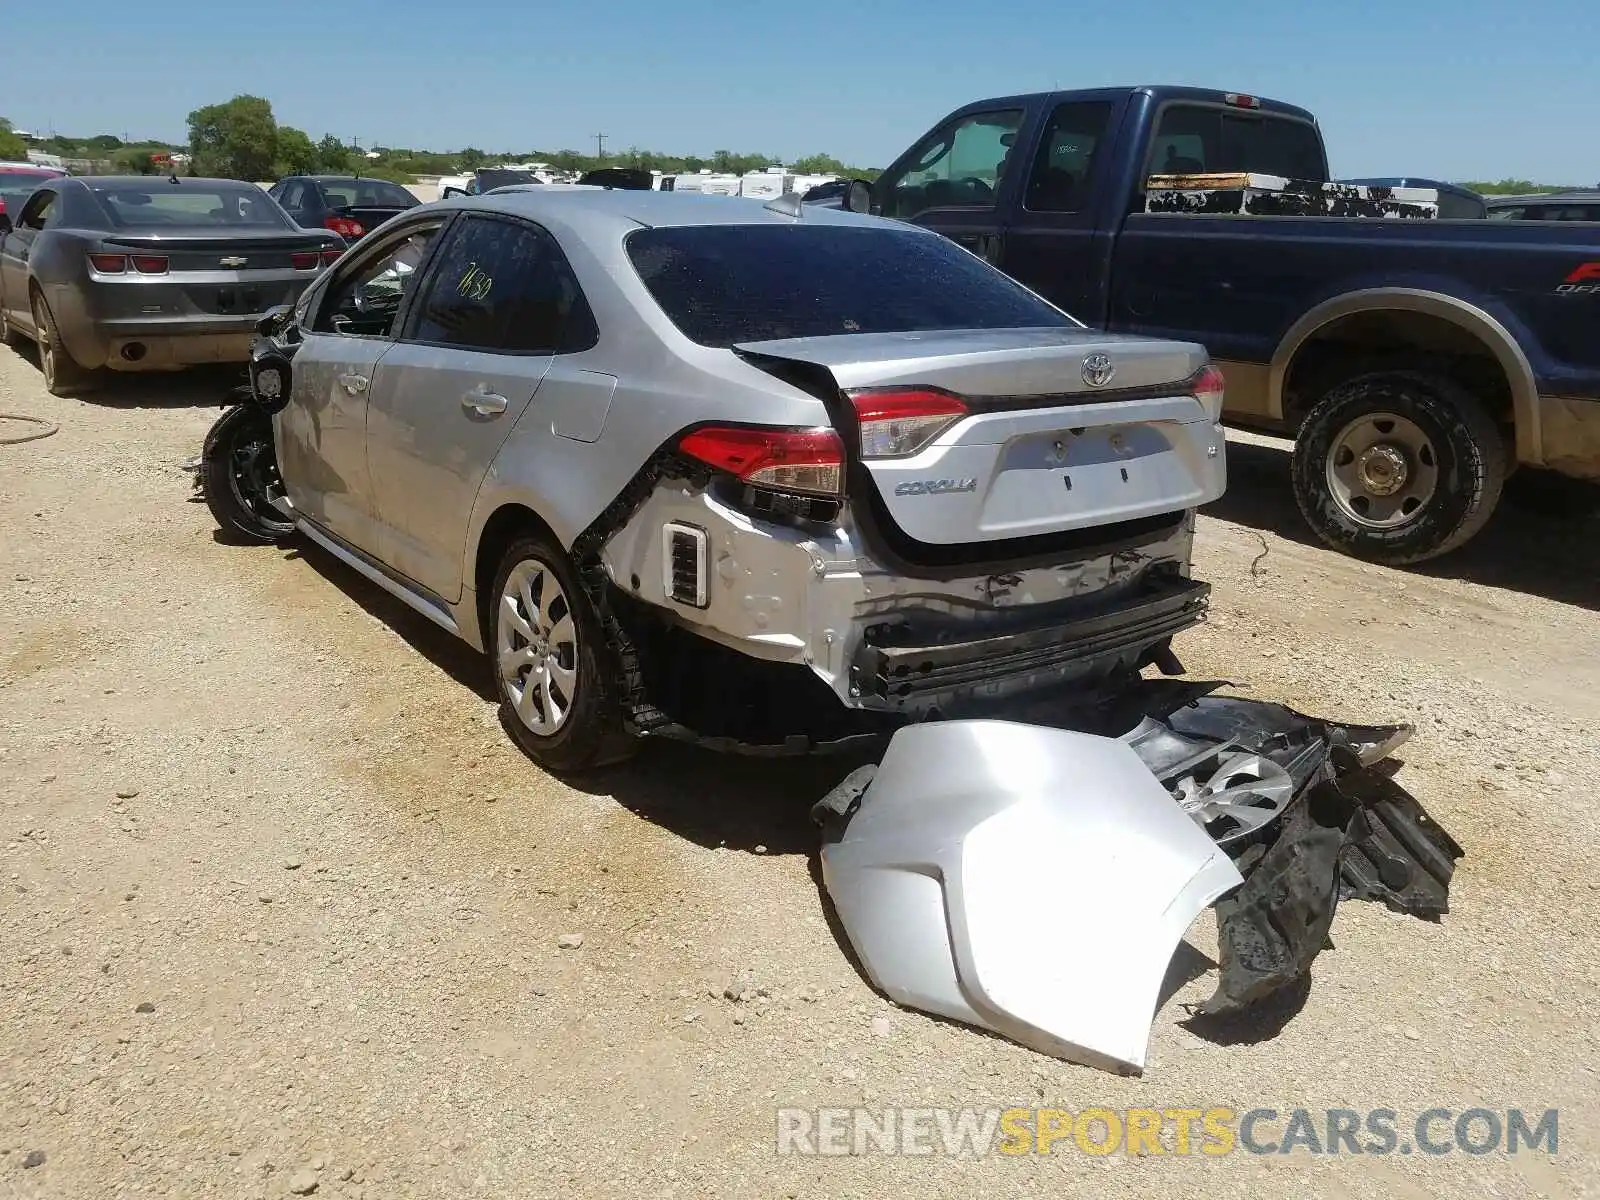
x=102, y=183
x=1590, y=196
x=607, y=212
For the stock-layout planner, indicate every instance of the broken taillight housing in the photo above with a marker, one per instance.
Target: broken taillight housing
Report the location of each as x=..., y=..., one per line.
x=808, y=461
x=1207, y=387
x=900, y=422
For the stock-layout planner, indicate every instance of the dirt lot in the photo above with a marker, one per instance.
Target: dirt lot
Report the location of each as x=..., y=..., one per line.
x=244, y=792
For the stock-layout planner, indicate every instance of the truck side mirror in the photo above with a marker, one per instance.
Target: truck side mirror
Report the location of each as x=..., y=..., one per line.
x=857, y=196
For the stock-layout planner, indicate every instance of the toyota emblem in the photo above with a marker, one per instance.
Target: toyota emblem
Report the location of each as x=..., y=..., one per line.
x=1098, y=370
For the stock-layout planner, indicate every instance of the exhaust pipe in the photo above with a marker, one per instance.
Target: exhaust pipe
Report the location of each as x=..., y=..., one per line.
x=134, y=351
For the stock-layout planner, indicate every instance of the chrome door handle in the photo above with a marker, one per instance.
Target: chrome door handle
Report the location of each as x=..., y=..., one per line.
x=484, y=403
x=354, y=383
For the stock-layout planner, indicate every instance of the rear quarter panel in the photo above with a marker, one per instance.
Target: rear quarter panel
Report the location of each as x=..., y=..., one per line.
x=1238, y=284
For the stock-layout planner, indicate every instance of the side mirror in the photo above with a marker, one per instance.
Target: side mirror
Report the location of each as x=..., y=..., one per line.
x=857, y=196
x=274, y=319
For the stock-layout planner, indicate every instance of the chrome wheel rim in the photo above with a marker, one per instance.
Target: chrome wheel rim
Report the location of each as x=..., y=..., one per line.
x=46, y=341
x=536, y=646
x=1382, y=470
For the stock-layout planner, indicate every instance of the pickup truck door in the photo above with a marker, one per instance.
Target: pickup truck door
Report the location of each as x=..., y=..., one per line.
x=1052, y=243
x=959, y=179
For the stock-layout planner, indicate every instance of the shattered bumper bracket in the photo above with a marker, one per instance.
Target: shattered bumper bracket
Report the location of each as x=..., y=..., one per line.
x=893, y=674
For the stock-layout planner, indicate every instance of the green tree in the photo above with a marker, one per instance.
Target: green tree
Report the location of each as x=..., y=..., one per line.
x=296, y=154
x=134, y=161
x=471, y=158
x=818, y=164
x=333, y=156
x=236, y=140
x=11, y=146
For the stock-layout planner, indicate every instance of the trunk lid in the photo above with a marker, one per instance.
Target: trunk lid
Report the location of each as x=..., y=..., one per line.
x=263, y=250
x=1041, y=451
x=369, y=216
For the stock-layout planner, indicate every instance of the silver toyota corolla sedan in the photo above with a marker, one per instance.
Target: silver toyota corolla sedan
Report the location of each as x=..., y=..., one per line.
x=766, y=476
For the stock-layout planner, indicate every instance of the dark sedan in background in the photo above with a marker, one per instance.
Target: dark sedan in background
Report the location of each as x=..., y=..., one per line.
x=140, y=273
x=349, y=206
x=17, y=181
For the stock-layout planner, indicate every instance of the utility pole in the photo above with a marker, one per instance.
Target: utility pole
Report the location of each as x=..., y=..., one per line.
x=600, y=145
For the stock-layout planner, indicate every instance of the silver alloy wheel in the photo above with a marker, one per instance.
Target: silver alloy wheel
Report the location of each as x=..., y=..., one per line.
x=536, y=646
x=44, y=337
x=1382, y=470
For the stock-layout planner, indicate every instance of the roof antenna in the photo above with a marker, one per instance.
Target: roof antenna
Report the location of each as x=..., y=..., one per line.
x=788, y=204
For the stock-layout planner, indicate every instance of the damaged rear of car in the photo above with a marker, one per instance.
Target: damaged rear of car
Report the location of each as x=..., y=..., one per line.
x=991, y=501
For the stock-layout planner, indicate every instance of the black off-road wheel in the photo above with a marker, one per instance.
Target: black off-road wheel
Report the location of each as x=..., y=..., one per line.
x=556, y=676
x=62, y=374
x=1398, y=467
x=238, y=465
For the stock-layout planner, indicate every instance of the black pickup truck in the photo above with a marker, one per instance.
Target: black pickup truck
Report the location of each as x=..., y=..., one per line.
x=1417, y=362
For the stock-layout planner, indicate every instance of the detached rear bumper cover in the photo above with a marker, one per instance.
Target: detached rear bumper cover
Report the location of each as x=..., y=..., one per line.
x=1031, y=881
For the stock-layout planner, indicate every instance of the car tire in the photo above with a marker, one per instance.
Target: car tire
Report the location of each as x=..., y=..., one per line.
x=555, y=674
x=62, y=374
x=1397, y=467
x=237, y=464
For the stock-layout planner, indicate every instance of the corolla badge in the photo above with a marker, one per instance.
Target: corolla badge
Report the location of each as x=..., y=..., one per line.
x=1098, y=370
x=934, y=487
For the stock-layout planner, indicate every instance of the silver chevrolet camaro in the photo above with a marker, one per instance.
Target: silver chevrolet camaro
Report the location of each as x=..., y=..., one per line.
x=143, y=273
x=766, y=476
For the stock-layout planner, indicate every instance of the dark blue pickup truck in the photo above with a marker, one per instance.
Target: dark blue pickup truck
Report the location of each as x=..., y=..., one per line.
x=1417, y=362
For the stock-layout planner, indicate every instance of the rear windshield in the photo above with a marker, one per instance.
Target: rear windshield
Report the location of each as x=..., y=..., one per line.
x=16, y=186
x=726, y=284
x=494, y=179
x=367, y=193
x=160, y=204
x=1202, y=140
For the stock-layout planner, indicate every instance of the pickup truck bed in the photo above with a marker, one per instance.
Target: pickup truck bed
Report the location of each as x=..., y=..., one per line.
x=1418, y=362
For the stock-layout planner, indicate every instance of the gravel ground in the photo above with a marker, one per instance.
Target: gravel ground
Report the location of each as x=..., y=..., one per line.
x=283, y=910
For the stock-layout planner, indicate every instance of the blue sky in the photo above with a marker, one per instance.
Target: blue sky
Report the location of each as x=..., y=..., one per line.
x=1470, y=88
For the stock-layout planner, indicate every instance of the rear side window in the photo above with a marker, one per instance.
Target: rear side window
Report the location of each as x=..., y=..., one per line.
x=726, y=284
x=507, y=288
x=161, y=204
x=1201, y=140
x=1063, y=171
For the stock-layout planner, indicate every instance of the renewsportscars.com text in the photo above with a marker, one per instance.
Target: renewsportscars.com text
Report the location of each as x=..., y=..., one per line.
x=1206, y=1132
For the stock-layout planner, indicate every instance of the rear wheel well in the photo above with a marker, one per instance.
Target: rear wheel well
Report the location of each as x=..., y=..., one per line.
x=1399, y=340
x=507, y=523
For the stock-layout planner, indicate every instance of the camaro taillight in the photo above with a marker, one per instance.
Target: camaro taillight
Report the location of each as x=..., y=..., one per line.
x=305, y=260
x=149, y=264
x=330, y=255
x=344, y=226
x=899, y=422
x=1207, y=387
x=810, y=461
x=109, y=264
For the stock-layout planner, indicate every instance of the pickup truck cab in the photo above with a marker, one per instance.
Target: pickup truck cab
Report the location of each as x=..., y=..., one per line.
x=1417, y=362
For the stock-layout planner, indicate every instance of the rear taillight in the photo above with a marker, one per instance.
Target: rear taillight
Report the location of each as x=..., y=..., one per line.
x=1240, y=100
x=305, y=260
x=330, y=254
x=344, y=227
x=149, y=264
x=786, y=460
x=109, y=264
x=1207, y=387
x=899, y=422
